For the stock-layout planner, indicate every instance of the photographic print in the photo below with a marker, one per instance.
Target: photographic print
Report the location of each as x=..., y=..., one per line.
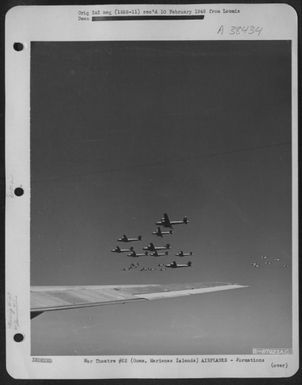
x=161, y=198
x=122, y=132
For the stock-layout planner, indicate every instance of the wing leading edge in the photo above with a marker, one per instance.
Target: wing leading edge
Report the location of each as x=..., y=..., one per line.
x=49, y=298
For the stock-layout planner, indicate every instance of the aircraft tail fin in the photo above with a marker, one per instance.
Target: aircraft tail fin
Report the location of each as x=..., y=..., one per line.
x=168, y=245
x=189, y=263
x=170, y=232
x=166, y=253
x=131, y=248
x=146, y=253
x=34, y=314
x=139, y=237
x=185, y=220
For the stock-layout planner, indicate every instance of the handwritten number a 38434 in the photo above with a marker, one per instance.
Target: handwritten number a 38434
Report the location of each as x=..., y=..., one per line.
x=240, y=30
x=220, y=30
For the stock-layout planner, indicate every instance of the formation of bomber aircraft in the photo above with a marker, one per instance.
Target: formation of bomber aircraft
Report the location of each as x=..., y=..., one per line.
x=156, y=251
x=50, y=298
x=265, y=260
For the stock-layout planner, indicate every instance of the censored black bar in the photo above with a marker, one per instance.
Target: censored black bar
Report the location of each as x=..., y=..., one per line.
x=127, y=18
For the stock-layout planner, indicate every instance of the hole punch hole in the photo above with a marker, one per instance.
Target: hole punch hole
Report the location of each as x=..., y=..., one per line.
x=19, y=191
x=18, y=337
x=18, y=46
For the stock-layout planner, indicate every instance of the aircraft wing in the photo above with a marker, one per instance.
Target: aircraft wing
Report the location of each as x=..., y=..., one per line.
x=48, y=298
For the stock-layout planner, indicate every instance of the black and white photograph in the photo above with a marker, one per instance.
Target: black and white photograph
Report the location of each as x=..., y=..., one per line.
x=161, y=198
x=124, y=133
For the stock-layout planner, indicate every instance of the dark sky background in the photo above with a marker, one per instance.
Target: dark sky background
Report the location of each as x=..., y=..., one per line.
x=122, y=132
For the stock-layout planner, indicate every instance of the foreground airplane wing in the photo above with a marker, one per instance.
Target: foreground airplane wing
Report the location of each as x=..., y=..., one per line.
x=47, y=298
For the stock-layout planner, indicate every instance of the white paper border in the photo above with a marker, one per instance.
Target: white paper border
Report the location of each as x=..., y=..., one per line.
x=60, y=23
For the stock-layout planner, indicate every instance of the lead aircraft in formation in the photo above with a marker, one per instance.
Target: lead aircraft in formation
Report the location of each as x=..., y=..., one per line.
x=165, y=221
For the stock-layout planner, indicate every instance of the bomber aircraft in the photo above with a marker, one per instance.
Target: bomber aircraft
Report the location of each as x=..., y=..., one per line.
x=119, y=250
x=160, y=233
x=124, y=238
x=175, y=265
x=165, y=221
x=151, y=247
x=182, y=254
x=134, y=254
x=157, y=254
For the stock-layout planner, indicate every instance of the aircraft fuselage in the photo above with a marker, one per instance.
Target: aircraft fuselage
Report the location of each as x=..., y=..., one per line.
x=128, y=239
x=156, y=254
x=182, y=254
x=134, y=254
x=160, y=233
x=119, y=250
x=151, y=247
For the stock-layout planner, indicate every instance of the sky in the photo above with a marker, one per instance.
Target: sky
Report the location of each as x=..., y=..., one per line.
x=122, y=132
